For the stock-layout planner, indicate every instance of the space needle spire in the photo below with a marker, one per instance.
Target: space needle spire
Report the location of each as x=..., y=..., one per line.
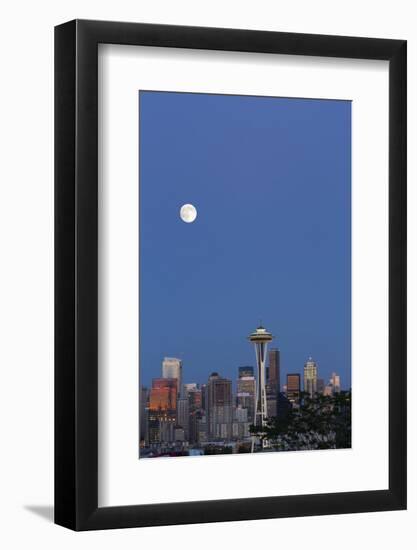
x=260, y=338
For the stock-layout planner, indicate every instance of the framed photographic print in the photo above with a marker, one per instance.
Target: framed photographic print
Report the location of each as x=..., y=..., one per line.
x=230, y=275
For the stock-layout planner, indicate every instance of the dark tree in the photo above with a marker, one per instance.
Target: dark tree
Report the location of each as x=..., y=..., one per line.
x=218, y=450
x=319, y=422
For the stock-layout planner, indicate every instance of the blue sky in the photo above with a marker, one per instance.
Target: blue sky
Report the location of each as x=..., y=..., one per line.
x=270, y=178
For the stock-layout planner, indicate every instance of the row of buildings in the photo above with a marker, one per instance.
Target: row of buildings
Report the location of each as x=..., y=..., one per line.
x=179, y=416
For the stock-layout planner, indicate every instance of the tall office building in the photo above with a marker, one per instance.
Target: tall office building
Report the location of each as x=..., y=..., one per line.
x=219, y=407
x=320, y=385
x=328, y=390
x=293, y=389
x=203, y=389
x=240, y=428
x=179, y=435
x=273, y=384
x=201, y=427
x=188, y=387
x=271, y=400
x=310, y=377
x=143, y=415
x=260, y=339
x=183, y=415
x=335, y=382
x=333, y=386
x=172, y=368
x=194, y=397
x=163, y=394
x=274, y=371
x=246, y=395
x=162, y=410
x=245, y=371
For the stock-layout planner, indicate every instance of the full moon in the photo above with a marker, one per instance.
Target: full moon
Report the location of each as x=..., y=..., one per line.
x=188, y=213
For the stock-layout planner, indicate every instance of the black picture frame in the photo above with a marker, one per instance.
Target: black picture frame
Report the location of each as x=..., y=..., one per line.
x=76, y=273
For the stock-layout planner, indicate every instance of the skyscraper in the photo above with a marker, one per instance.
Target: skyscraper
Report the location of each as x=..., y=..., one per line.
x=172, y=368
x=335, y=382
x=293, y=388
x=274, y=379
x=310, y=377
x=203, y=389
x=201, y=427
x=240, y=429
x=328, y=390
x=260, y=339
x=195, y=399
x=273, y=385
x=183, y=416
x=333, y=386
x=219, y=407
x=245, y=371
x=163, y=394
x=143, y=415
x=187, y=388
x=195, y=413
x=162, y=409
x=271, y=400
x=246, y=395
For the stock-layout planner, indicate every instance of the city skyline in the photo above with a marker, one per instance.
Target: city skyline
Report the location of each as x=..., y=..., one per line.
x=196, y=384
x=276, y=372
x=270, y=175
x=325, y=373
x=254, y=414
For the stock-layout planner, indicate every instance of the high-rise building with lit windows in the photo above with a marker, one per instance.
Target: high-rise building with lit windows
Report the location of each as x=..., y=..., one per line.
x=335, y=382
x=195, y=411
x=143, y=415
x=162, y=409
x=163, y=394
x=328, y=390
x=246, y=395
x=219, y=407
x=183, y=415
x=310, y=377
x=191, y=386
x=293, y=388
x=271, y=400
x=245, y=372
x=195, y=399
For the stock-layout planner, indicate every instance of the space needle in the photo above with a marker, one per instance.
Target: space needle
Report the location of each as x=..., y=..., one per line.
x=260, y=338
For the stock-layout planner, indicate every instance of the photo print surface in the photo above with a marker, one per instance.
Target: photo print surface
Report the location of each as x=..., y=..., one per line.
x=244, y=274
